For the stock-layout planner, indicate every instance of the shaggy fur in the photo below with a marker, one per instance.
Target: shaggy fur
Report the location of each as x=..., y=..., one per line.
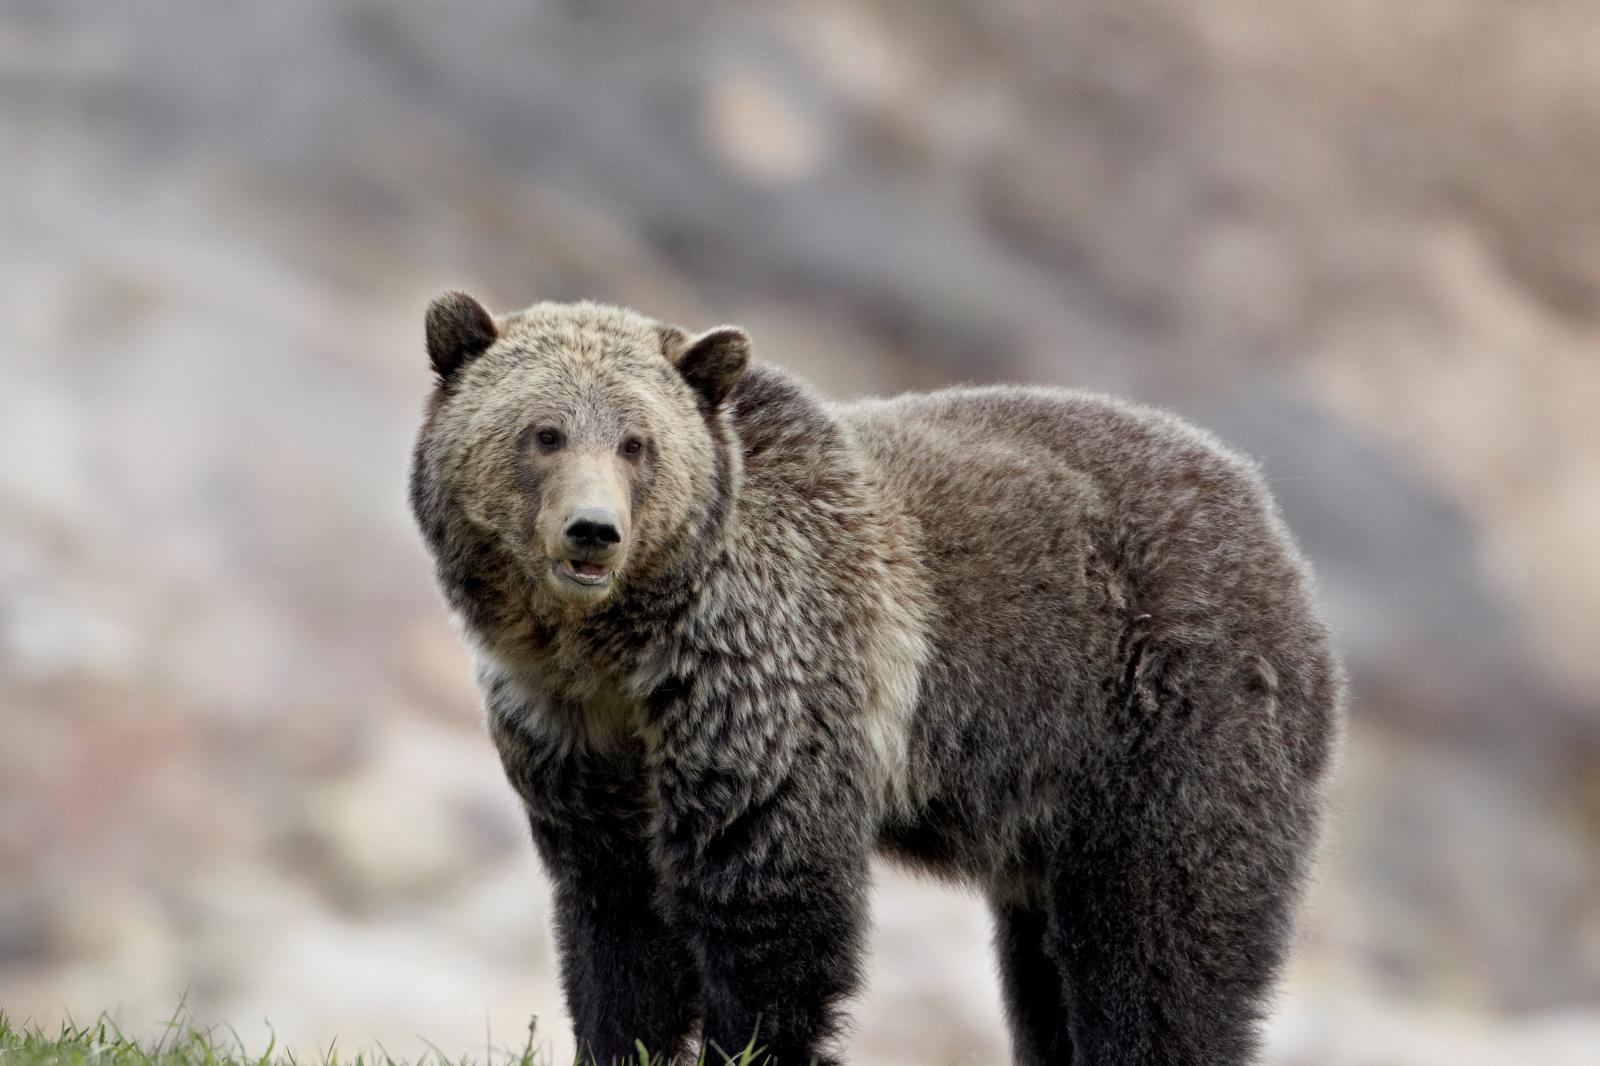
x=1040, y=642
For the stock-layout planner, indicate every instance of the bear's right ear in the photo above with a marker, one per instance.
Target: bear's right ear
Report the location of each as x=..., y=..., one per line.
x=459, y=330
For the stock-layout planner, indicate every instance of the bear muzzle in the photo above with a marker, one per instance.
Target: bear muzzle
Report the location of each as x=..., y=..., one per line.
x=591, y=548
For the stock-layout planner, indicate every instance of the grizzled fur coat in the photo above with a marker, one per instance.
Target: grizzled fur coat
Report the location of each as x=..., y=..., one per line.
x=733, y=639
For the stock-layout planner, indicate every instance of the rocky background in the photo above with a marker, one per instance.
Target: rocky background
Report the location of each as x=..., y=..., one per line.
x=239, y=751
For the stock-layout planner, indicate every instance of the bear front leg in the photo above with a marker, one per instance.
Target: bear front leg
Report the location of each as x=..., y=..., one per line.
x=628, y=976
x=768, y=877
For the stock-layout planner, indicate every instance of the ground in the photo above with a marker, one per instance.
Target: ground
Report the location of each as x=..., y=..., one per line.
x=182, y=1043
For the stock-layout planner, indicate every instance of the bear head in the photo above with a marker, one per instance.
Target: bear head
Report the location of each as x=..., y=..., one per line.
x=567, y=447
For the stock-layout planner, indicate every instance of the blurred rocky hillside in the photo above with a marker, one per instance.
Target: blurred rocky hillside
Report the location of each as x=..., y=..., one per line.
x=239, y=752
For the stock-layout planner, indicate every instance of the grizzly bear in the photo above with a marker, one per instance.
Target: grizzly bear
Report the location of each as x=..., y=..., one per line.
x=735, y=638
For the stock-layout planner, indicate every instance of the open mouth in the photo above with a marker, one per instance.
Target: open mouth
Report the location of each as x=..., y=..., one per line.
x=585, y=573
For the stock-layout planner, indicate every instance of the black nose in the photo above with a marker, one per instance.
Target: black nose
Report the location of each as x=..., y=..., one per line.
x=592, y=529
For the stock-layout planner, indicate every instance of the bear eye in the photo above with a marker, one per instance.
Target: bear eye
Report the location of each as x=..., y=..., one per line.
x=632, y=446
x=548, y=438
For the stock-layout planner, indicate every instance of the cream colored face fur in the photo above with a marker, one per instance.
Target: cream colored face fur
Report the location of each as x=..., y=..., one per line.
x=554, y=425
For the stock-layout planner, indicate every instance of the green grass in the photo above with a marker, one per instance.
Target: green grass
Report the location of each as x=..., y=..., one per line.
x=182, y=1043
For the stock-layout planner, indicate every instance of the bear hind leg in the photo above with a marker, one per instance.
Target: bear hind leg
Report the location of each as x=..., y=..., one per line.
x=1170, y=923
x=1031, y=984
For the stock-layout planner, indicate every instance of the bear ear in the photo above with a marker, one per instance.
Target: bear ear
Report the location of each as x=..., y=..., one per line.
x=459, y=330
x=712, y=362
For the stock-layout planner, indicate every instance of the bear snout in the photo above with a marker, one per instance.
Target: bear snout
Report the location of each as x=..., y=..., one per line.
x=592, y=530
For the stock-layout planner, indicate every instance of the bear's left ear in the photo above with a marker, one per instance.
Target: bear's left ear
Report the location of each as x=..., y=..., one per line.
x=458, y=330
x=712, y=362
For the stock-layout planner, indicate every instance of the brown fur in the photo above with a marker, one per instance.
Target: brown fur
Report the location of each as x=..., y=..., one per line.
x=1042, y=642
